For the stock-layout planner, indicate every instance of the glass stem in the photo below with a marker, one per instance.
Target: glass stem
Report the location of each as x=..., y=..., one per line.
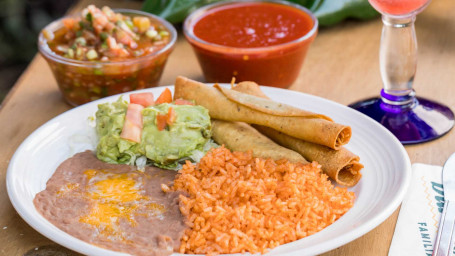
x=398, y=60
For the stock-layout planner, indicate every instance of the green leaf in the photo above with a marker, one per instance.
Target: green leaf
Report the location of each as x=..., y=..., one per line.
x=174, y=11
x=331, y=12
x=311, y=5
x=328, y=12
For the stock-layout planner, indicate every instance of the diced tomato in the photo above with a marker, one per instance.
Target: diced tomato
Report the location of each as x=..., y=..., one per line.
x=100, y=21
x=145, y=99
x=119, y=52
x=161, y=122
x=110, y=27
x=69, y=23
x=131, y=132
x=171, y=116
x=165, y=97
x=124, y=38
x=164, y=120
x=134, y=114
x=132, y=127
x=183, y=102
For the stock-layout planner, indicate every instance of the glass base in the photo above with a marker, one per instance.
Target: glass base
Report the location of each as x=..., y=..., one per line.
x=421, y=121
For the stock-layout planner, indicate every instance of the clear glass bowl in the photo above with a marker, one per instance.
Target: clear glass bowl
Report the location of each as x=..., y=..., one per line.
x=84, y=81
x=275, y=65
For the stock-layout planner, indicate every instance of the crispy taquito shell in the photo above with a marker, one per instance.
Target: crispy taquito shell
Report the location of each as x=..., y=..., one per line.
x=238, y=136
x=230, y=105
x=341, y=165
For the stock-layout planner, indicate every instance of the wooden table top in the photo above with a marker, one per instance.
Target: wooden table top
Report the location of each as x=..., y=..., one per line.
x=341, y=65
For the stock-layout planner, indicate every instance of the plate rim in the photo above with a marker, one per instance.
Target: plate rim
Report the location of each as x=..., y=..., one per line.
x=327, y=245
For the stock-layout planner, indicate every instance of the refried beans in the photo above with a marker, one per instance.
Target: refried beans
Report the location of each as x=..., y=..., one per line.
x=114, y=206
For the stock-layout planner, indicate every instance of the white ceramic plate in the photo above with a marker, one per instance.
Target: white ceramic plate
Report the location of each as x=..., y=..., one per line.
x=386, y=175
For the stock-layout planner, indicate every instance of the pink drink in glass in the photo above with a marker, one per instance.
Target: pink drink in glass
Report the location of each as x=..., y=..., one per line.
x=398, y=7
x=411, y=119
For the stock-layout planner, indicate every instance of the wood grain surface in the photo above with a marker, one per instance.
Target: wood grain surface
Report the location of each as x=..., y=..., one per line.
x=341, y=65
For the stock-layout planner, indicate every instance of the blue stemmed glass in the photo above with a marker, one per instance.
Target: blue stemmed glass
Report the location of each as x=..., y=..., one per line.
x=411, y=119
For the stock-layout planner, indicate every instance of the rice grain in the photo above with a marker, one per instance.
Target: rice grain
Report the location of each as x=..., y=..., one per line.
x=237, y=203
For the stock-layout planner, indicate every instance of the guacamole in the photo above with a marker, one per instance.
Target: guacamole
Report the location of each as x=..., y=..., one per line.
x=187, y=136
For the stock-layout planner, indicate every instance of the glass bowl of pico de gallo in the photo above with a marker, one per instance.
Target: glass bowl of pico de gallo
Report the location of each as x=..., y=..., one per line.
x=101, y=52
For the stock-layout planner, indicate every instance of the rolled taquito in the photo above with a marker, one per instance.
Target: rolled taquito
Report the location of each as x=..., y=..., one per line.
x=238, y=136
x=341, y=165
x=231, y=105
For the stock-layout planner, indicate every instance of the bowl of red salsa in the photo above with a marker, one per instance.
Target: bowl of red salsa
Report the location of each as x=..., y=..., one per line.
x=261, y=41
x=101, y=52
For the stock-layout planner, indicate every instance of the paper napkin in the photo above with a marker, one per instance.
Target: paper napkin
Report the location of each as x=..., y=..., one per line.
x=418, y=220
